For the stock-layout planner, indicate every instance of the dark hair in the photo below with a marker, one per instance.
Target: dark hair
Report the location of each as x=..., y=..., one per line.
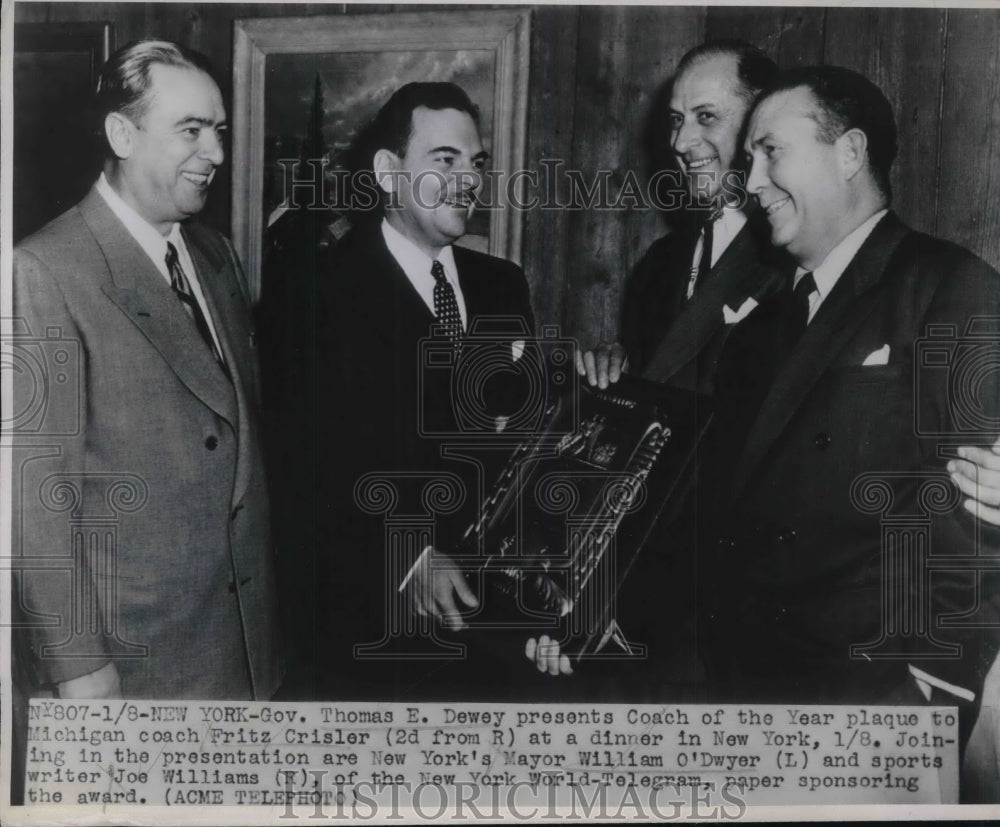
x=847, y=100
x=754, y=69
x=393, y=124
x=125, y=79
x=391, y=129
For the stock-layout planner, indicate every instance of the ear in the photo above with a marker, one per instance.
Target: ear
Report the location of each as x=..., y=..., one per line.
x=384, y=164
x=120, y=133
x=853, y=146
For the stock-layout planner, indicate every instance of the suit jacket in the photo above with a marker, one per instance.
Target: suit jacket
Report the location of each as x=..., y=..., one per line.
x=841, y=462
x=146, y=465
x=382, y=404
x=670, y=338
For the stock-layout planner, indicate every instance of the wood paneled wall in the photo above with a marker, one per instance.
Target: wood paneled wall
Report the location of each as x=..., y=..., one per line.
x=595, y=71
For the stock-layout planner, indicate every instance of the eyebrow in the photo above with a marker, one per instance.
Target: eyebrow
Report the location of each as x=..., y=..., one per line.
x=767, y=136
x=483, y=154
x=191, y=119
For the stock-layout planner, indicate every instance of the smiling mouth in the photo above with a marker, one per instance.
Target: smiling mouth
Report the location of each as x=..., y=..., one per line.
x=701, y=162
x=774, y=206
x=199, y=179
x=463, y=200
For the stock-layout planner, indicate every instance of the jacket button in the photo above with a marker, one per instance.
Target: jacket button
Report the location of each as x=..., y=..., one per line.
x=787, y=535
x=212, y=442
x=822, y=441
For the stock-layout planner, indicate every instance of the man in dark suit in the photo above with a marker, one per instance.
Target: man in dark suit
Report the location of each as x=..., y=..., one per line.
x=829, y=424
x=154, y=453
x=398, y=307
x=673, y=320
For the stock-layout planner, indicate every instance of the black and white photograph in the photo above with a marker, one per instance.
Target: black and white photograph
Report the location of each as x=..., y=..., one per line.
x=468, y=412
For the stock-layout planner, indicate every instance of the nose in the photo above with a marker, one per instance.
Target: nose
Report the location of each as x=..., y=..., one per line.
x=757, y=178
x=467, y=177
x=211, y=148
x=685, y=136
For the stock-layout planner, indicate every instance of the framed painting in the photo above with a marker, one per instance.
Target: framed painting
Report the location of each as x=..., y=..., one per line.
x=304, y=87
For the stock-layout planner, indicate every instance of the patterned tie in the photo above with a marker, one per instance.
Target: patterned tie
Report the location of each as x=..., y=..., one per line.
x=446, y=306
x=182, y=288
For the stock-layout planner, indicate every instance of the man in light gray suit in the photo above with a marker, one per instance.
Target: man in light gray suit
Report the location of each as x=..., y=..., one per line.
x=148, y=568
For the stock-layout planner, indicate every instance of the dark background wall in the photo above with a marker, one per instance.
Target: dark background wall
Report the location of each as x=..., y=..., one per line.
x=596, y=70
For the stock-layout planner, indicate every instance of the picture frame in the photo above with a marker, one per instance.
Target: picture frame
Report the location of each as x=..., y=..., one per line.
x=354, y=63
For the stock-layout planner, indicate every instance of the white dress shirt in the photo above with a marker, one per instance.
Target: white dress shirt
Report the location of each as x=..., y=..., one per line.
x=829, y=272
x=417, y=266
x=727, y=227
x=155, y=246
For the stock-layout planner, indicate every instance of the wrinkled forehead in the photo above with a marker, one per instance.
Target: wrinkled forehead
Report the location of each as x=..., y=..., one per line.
x=705, y=80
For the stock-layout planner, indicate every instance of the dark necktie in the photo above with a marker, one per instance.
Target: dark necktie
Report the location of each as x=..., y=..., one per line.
x=700, y=273
x=182, y=288
x=446, y=305
x=798, y=317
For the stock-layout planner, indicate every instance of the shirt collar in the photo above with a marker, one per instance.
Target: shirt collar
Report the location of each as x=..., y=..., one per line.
x=154, y=244
x=414, y=261
x=829, y=272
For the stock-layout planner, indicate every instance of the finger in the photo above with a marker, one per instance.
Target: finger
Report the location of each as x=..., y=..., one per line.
x=564, y=667
x=975, y=482
x=550, y=656
x=985, y=476
x=983, y=512
x=465, y=594
x=602, y=368
x=617, y=364
x=980, y=456
x=588, y=363
x=530, y=648
x=540, y=663
x=446, y=608
x=580, y=368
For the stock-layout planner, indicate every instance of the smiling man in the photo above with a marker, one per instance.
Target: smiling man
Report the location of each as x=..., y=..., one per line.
x=162, y=447
x=824, y=406
x=673, y=324
x=396, y=281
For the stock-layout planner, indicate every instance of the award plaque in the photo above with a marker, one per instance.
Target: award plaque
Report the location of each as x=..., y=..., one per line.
x=566, y=518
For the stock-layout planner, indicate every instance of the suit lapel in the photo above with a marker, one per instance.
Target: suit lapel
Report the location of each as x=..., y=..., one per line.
x=733, y=279
x=835, y=323
x=140, y=292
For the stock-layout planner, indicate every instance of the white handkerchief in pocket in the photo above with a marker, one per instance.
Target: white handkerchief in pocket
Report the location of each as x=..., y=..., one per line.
x=517, y=349
x=877, y=357
x=733, y=316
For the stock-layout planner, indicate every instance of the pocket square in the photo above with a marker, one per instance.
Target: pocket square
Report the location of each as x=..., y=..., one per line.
x=877, y=357
x=517, y=349
x=731, y=316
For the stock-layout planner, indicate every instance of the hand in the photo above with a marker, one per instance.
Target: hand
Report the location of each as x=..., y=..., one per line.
x=433, y=588
x=604, y=365
x=545, y=653
x=104, y=683
x=977, y=475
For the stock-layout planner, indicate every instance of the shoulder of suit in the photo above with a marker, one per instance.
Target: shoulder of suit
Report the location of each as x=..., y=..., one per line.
x=59, y=239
